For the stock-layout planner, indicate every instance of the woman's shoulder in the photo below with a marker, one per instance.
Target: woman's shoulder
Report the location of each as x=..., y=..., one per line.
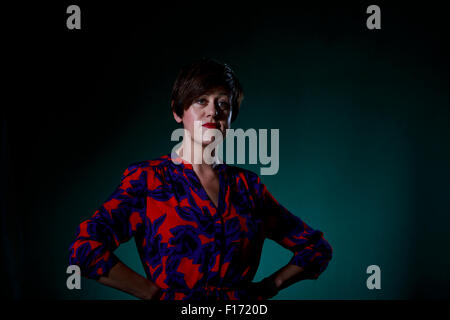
x=151, y=164
x=247, y=174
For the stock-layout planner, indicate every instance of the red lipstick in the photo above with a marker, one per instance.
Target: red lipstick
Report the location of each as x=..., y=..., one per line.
x=211, y=125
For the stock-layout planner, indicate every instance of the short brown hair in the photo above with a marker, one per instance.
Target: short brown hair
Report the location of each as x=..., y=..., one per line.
x=201, y=77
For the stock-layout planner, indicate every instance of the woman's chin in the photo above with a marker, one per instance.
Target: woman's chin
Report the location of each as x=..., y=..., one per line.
x=207, y=143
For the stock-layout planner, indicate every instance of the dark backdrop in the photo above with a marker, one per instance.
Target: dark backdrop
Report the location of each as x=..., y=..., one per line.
x=363, y=118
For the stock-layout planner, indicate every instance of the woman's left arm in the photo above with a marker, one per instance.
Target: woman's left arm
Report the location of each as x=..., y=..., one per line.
x=312, y=252
x=287, y=275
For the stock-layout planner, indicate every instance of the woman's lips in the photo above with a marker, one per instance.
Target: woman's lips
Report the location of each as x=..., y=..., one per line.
x=211, y=125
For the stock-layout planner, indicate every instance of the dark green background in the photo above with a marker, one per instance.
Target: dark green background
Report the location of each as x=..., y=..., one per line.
x=363, y=118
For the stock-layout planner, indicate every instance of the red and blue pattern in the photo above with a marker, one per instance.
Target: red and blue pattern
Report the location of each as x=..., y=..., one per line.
x=189, y=247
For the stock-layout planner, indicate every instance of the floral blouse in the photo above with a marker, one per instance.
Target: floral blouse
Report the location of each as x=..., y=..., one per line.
x=189, y=247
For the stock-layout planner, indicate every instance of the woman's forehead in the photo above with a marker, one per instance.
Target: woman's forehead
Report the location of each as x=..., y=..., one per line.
x=217, y=91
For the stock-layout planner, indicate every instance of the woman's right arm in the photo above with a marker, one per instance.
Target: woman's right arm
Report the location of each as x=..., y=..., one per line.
x=115, y=222
x=125, y=279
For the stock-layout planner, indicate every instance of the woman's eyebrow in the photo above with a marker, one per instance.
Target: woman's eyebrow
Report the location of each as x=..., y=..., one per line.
x=218, y=95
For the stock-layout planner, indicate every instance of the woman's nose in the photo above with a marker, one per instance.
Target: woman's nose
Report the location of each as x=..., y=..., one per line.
x=212, y=109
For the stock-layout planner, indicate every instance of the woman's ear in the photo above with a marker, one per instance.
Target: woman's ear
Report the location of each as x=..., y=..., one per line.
x=176, y=117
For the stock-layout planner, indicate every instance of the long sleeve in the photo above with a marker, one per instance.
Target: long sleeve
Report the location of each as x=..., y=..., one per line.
x=115, y=222
x=311, y=251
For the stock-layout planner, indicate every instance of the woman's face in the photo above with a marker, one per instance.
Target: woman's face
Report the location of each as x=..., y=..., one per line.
x=211, y=110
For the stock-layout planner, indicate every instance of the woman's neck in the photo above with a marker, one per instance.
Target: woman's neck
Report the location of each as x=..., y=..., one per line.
x=200, y=162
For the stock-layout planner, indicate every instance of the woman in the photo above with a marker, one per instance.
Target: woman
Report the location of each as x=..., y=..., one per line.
x=199, y=228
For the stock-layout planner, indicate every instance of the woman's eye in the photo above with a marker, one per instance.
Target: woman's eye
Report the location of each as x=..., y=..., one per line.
x=224, y=104
x=201, y=101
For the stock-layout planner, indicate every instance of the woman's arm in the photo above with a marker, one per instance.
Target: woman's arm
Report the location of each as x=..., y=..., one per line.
x=287, y=276
x=116, y=221
x=270, y=286
x=312, y=252
x=125, y=279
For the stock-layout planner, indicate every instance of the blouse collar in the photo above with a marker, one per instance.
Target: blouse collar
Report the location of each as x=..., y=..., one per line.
x=177, y=160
